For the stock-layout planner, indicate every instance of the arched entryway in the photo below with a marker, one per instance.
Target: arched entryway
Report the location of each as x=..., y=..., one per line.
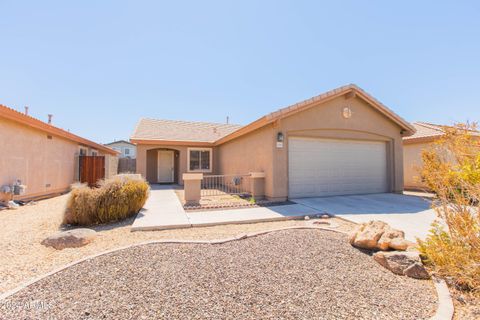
x=162, y=165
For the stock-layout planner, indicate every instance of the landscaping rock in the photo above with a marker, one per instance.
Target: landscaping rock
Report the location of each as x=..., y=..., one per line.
x=70, y=239
x=417, y=271
x=388, y=236
x=401, y=244
x=378, y=235
x=402, y=263
x=367, y=235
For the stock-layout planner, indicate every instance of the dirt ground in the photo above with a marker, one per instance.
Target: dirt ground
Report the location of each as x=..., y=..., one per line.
x=24, y=257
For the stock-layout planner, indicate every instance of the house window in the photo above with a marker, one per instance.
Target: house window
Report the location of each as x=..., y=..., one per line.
x=200, y=159
x=127, y=152
x=83, y=151
x=94, y=153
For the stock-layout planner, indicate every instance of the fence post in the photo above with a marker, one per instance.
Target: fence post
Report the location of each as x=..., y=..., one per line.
x=192, y=188
x=257, y=185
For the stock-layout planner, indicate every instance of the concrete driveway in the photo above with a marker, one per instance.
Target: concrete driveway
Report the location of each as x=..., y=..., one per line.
x=408, y=213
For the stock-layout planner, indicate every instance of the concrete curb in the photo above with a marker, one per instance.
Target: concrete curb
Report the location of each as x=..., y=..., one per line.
x=445, y=305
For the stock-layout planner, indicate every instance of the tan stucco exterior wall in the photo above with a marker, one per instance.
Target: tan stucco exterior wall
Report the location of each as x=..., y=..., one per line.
x=147, y=161
x=412, y=162
x=44, y=165
x=252, y=152
x=257, y=151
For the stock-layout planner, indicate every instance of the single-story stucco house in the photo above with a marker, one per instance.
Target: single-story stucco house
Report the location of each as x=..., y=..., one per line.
x=424, y=138
x=413, y=146
x=341, y=142
x=43, y=157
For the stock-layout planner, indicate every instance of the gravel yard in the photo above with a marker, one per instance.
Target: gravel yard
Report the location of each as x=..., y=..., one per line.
x=294, y=274
x=22, y=230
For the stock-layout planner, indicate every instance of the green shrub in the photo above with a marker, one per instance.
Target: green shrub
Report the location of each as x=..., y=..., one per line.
x=115, y=199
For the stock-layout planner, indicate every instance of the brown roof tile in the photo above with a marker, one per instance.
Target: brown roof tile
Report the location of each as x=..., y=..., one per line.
x=189, y=131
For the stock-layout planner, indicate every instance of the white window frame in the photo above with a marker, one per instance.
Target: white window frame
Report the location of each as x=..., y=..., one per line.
x=93, y=152
x=210, y=150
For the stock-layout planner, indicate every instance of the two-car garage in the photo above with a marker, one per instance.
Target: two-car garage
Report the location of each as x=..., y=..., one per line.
x=327, y=167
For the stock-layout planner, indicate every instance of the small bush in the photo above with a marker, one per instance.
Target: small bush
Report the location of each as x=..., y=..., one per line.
x=452, y=170
x=115, y=199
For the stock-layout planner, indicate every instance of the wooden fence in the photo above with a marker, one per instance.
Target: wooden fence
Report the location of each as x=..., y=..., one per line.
x=92, y=169
x=127, y=165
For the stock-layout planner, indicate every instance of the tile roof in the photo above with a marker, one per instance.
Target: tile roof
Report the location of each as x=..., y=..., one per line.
x=429, y=132
x=425, y=130
x=188, y=131
x=203, y=132
x=118, y=141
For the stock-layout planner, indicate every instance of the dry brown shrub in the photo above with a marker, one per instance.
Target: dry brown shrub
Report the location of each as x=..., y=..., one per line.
x=452, y=170
x=116, y=199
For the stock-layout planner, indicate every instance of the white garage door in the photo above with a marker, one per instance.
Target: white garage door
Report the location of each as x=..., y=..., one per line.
x=324, y=167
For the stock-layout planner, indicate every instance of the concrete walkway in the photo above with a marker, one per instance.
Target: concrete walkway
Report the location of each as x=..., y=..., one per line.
x=164, y=211
x=411, y=214
x=408, y=213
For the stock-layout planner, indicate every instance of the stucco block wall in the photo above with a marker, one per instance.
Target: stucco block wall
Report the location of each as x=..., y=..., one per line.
x=412, y=162
x=249, y=153
x=43, y=165
x=111, y=166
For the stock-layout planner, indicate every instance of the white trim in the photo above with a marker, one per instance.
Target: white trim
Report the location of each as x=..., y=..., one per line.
x=173, y=166
x=200, y=149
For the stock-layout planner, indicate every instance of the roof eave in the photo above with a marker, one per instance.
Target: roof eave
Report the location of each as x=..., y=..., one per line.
x=408, y=128
x=18, y=117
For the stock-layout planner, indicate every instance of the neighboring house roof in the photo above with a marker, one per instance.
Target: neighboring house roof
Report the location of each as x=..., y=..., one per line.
x=118, y=141
x=428, y=132
x=181, y=132
x=151, y=131
x=425, y=132
x=14, y=115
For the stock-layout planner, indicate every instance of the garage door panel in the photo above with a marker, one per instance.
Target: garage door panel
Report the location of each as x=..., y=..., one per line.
x=324, y=167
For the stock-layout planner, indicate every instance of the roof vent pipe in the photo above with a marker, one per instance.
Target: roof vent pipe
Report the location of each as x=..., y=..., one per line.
x=26, y=110
x=50, y=118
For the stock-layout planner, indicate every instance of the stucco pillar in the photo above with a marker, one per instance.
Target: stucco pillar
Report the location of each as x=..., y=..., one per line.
x=257, y=185
x=192, y=188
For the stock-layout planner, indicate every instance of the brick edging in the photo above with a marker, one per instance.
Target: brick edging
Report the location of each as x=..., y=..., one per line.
x=444, y=309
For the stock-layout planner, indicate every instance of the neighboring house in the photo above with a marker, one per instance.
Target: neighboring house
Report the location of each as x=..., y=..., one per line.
x=125, y=148
x=341, y=142
x=425, y=136
x=43, y=157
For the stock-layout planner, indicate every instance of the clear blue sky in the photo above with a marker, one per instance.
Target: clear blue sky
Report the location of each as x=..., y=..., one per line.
x=99, y=66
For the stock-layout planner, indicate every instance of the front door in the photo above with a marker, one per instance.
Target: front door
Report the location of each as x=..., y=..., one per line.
x=165, y=166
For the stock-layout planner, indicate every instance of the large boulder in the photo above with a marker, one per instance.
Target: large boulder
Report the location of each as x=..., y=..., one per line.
x=378, y=235
x=402, y=263
x=366, y=235
x=70, y=239
x=388, y=236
